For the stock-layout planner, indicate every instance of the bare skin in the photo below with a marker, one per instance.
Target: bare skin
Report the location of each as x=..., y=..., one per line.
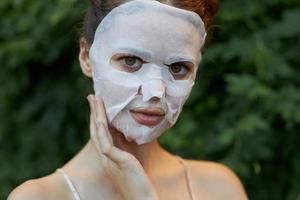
x=108, y=165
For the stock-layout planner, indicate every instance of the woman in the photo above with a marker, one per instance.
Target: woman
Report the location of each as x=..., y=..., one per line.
x=143, y=57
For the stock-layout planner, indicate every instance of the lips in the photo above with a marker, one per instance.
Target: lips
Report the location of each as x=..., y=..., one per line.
x=148, y=117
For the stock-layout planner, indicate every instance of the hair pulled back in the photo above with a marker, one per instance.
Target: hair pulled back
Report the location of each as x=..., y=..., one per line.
x=98, y=9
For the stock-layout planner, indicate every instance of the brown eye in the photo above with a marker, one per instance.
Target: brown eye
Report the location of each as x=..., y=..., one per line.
x=182, y=70
x=177, y=69
x=126, y=62
x=131, y=64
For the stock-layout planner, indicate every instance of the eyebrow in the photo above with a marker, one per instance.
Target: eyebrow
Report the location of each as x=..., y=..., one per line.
x=180, y=58
x=148, y=56
x=145, y=55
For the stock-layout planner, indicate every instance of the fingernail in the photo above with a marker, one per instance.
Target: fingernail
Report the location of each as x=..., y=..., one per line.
x=88, y=98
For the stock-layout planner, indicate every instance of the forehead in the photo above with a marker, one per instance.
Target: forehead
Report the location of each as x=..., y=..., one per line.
x=154, y=26
x=150, y=12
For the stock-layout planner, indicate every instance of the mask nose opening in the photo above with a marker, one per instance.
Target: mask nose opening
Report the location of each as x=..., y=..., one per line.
x=153, y=89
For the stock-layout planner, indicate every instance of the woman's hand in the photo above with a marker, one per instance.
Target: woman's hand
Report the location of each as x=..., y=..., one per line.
x=124, y=169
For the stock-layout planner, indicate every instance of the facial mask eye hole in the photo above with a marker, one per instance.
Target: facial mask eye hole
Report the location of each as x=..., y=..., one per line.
x=127, y=63
x=180, y=71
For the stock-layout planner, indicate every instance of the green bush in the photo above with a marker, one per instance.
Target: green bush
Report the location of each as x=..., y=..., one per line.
x=244, y=110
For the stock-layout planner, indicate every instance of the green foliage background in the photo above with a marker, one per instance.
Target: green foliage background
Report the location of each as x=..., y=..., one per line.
x=244, y=110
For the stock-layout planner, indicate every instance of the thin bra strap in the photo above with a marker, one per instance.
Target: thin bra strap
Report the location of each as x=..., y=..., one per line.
x=70, y=184
x=188, y=178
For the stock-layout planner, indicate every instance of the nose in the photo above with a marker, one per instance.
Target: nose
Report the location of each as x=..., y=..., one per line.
x=154, y=89
x=154, y=99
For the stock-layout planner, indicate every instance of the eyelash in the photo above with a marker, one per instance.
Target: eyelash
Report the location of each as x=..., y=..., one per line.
x=180, y=64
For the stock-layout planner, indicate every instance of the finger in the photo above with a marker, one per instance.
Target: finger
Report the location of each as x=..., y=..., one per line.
x=103, y=137
x=100, y=110
x=115, y=154
x=90, y=99
x=99, y=135
x=104, y=142
x=93, y=134
x=93, y=129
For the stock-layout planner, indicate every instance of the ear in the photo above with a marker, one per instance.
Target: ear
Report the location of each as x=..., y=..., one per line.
x=84, y=58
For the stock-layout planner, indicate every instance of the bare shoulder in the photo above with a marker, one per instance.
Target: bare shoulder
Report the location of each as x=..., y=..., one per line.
x=30, y=190
x=217, y=179
x=45, y=188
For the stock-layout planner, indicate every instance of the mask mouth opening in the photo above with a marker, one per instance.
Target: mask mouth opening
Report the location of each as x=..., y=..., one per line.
x=149, y=113
x=147, y=117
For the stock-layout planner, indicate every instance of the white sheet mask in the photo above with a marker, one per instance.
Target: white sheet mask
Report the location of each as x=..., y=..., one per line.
x=160, y=35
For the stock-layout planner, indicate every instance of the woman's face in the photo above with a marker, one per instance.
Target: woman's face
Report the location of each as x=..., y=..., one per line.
x=145, y=57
